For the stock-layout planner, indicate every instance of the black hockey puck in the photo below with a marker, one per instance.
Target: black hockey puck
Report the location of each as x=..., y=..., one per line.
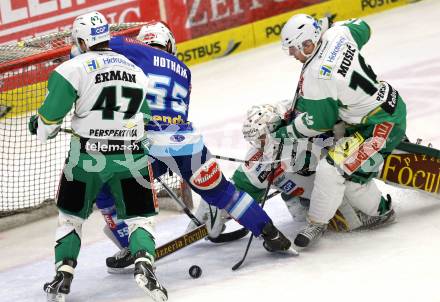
x=195, y=271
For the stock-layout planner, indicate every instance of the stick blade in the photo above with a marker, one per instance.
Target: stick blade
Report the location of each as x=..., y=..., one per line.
x=237, y=265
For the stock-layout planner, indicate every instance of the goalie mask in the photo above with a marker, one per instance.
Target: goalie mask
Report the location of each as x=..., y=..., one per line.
x=158, y=34
x=260, y=120
x=92, y=28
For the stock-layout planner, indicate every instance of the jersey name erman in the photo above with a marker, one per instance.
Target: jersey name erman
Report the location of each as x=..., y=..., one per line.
x=167, y=63
x=115, y=76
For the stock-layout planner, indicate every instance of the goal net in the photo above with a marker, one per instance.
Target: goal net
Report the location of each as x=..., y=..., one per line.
x=30, y=171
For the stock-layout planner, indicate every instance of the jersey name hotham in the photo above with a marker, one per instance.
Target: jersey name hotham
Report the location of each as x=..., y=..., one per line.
x=115, y=76
x=167, y=63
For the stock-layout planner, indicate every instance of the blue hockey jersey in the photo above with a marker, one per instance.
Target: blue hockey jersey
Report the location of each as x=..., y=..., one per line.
x=169, y=94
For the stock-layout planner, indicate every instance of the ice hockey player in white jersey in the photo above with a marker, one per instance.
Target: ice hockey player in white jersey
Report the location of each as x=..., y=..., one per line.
x=337, y=84
x=108, y=94
x=294, y=174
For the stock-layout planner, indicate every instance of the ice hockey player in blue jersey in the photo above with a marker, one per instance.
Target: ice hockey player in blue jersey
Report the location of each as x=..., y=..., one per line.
x=177, y=146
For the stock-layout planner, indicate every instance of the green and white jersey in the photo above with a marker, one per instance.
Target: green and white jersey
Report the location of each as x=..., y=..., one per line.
x=337, y=84
x=108, y=94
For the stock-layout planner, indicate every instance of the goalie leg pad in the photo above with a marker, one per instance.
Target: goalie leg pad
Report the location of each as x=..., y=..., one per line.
x=212, y=217
x=345, y=219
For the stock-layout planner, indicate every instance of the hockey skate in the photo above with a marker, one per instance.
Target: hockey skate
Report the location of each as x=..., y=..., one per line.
x=146, y=279
x=121, y=263
x=275, y=241
x=59, y=287
x=372, y=222
x=310, y=234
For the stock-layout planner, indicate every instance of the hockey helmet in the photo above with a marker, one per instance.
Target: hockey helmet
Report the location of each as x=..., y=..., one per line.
x=299, y=29
x=158, y=33
x=260, y=120
x=92, y=28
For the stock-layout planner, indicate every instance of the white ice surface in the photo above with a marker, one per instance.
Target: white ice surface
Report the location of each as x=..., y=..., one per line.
x=396, y=263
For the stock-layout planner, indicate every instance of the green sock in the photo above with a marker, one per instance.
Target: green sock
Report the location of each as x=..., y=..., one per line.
x=68, y=247
x=141, y=240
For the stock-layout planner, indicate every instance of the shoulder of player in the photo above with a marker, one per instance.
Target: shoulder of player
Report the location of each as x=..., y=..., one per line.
x=163, y=59
x=72, y=66
x=334, y=43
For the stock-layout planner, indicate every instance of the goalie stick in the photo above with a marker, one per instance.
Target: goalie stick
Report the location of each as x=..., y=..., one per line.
x=180, y=242
x=4, y=110
x=224, y=237
x=189, y=238
x=264, y=199
x=277, y=158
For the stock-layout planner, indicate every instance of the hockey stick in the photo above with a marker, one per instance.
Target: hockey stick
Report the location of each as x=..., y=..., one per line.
x=189, y=238
x=266, y=192
x=65, y=130
x=224, y=237
x=243, y=160
x=180, y=242
x=4, y=110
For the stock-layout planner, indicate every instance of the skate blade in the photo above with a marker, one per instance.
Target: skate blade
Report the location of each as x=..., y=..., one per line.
x=55, y=297
x=156, y=295
x=293, y=252
x=122, y=270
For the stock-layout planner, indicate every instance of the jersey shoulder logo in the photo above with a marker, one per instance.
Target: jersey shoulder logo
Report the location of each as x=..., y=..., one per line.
x=325, y=72
x=92, y=65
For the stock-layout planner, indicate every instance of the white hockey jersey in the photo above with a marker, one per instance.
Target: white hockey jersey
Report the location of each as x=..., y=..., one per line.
x=337, y=84
x=107, y=91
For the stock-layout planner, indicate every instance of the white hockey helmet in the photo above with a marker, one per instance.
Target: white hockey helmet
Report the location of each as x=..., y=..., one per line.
x=92, y=28
x=158, y=33
x=299, y=29
x=260, y=120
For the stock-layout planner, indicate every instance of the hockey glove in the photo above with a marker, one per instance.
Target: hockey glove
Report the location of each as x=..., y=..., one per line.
x=33, y=124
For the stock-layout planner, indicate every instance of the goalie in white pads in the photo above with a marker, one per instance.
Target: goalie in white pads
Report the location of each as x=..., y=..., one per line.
x=336, y=85
x=293, y=177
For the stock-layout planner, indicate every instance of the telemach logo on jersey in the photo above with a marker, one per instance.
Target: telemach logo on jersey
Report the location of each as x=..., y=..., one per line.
x=109, y=146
